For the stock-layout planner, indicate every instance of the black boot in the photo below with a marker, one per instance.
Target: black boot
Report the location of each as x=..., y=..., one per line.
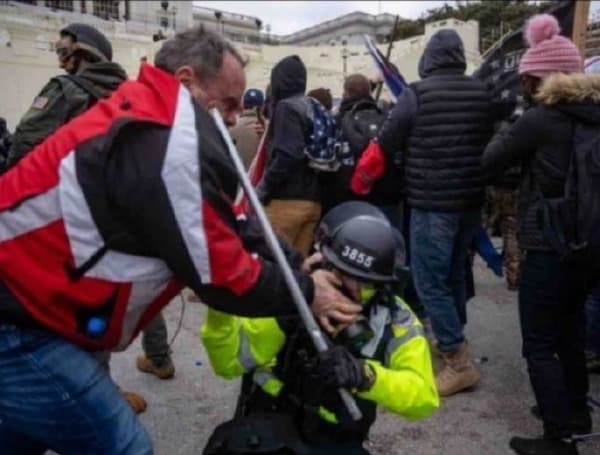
x=541, y=446
x=581, y=421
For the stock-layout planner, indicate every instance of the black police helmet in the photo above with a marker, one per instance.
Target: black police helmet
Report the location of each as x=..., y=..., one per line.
x=357, y=239
x=342, y=213
x=90, y=39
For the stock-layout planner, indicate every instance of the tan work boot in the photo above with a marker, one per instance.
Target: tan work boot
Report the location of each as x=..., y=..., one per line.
x=458, y=374
x=165, y=371
x=137, y=402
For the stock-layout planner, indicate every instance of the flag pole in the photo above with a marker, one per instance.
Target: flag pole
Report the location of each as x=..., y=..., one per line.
x=580, y=20
x=301, y=304
x=387, y=55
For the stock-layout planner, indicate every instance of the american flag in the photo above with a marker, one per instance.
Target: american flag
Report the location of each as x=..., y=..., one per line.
x=390, y=75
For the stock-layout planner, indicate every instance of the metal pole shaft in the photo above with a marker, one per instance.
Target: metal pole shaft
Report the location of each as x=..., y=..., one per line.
x=387, y=55
x=303, y=309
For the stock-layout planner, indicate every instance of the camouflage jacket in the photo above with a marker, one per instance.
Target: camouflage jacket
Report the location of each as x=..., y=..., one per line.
x=63, y=98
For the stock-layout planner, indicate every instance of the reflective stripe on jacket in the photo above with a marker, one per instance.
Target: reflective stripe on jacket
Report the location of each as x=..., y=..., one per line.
x=404, y=381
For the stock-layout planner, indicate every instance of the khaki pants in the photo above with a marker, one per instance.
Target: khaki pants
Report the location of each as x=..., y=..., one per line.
x=295, y=221
x=504, y=210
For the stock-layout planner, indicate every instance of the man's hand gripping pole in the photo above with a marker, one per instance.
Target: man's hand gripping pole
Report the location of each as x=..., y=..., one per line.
x=303, y=308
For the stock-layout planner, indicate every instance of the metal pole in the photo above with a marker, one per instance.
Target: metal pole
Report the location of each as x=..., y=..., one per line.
x=387, y=55
x=303, y=309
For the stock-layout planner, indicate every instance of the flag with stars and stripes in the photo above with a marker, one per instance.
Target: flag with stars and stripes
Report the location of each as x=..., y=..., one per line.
x=389, y=73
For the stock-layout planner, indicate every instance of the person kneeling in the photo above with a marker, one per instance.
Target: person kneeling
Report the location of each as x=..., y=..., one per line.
x=289, y=401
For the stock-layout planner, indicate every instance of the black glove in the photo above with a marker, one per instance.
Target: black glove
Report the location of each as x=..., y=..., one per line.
x=338, y=368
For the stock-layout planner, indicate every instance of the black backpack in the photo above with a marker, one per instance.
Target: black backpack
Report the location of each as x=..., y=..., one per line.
x=571, y=224
x=359, y=126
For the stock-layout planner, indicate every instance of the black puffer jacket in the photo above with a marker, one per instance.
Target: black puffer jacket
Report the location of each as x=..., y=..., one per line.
x=288, y=175
x=542, y=141
x=444, y=123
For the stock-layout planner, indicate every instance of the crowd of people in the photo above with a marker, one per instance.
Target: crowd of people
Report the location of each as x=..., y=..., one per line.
x=116, y=193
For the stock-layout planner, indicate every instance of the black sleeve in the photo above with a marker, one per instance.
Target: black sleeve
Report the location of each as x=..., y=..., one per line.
x=193, y=228
x=512, y=144
x=254, y=241
x=395, y=130
x=287, y=145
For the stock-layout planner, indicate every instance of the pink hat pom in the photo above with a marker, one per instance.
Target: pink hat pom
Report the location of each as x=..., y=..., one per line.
x=541, y=27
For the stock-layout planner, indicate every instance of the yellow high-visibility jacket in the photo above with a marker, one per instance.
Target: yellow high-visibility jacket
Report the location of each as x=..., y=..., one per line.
x=404, y=382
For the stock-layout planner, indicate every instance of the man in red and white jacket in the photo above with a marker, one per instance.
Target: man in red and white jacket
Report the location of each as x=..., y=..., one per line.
x=103, y=223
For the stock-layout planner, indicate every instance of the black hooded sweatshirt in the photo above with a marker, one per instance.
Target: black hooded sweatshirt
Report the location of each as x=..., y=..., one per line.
x=288, y=175
x=444, y=123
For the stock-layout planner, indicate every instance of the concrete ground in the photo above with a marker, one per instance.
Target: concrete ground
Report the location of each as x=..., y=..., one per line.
x=183, y=411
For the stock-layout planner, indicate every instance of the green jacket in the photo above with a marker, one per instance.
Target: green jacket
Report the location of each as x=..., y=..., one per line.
x=404, y=382
x=61, y=100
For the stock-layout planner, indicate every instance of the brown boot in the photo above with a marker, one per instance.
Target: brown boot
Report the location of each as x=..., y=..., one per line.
x=458, y=374
x=164, y=371
x=137, y=402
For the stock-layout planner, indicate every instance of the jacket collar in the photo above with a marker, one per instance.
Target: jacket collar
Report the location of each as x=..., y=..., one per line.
x=562, y=88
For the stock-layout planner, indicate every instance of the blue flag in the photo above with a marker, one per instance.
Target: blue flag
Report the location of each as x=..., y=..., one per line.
x=389, y=73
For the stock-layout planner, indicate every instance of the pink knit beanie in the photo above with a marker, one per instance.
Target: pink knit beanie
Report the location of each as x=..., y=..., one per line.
x=548, y=51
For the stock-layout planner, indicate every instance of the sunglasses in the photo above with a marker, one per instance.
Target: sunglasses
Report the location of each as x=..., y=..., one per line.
x=63, y=52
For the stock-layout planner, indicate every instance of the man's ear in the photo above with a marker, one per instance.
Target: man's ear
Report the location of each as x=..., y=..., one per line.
x=185, y=74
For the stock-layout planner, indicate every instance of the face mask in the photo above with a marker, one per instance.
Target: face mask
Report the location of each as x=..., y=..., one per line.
x=366, y=294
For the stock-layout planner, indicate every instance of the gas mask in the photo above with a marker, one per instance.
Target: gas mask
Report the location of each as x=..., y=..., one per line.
x=368, y=327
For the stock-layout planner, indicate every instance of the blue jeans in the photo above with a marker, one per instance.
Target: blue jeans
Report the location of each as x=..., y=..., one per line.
x=393, y=213
x=439, y=245
x=56, y=396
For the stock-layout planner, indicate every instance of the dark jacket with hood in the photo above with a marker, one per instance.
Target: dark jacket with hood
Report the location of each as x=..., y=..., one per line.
x=542, y=141
x=444, y=123
x=63, y=98
x=287, y=175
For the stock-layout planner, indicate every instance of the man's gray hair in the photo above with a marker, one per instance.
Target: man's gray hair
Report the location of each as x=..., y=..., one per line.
x=201, y=49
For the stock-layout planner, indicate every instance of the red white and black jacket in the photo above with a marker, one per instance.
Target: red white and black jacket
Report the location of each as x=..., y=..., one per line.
x=118, y=209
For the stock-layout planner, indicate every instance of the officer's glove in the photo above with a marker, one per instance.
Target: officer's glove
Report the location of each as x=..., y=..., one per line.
x=338, y=368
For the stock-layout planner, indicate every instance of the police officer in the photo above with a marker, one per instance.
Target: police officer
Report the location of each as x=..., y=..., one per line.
x=86, y=55
x=288, y=399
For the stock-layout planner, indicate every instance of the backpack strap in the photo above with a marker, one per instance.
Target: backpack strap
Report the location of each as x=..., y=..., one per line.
x=552, y=214
x=363, y=105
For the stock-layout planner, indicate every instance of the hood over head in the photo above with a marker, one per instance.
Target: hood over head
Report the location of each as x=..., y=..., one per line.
x=288, y=78
x=444, y=50
x=575, y=94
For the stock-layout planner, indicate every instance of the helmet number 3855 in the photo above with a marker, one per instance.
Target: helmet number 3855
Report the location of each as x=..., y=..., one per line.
x=357, y=256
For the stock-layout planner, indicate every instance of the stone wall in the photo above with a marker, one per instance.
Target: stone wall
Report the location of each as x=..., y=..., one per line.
x=28, y=60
